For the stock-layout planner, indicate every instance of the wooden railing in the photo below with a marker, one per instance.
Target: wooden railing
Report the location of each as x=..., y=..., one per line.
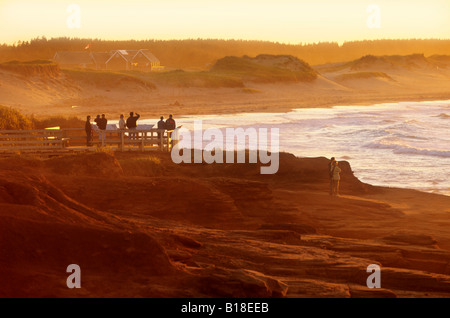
x=136, y=137
x=65, y=139
x=31, y=139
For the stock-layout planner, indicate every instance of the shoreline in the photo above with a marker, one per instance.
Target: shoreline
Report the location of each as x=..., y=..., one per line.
x=392, y=100
x=310, y=101
x=289, y=106
x=425, y=187
x=182, y=102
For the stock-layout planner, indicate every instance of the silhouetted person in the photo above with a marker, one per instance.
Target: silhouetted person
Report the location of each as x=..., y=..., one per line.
x=88, y=129
x=336, y=178
x=161, y=125
x=330, y=173
x=102, y=123
x=97, y=119
x=122, y=124
x=132, y=124
x=170, y=125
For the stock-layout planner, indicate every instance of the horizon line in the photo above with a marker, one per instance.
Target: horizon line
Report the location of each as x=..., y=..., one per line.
x=340, y=43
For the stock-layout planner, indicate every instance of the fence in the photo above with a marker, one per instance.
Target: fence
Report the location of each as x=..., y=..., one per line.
x=67, y=139
x=49, y=139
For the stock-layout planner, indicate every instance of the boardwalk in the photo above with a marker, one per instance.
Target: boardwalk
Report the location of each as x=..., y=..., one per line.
x=57, y=141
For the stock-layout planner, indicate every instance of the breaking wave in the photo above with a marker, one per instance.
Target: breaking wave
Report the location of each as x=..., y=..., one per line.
x=409, y=150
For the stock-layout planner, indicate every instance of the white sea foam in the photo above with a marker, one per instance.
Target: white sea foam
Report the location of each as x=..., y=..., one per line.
x=399, y=148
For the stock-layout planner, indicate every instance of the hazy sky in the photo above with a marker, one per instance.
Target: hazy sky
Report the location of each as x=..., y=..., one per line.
x=289, y=21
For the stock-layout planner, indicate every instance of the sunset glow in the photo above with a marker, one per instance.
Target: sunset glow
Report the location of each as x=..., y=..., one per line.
x=224, y=156
x=302, y=21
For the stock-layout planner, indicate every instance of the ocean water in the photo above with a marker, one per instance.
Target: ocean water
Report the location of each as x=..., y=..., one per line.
x=403, y=144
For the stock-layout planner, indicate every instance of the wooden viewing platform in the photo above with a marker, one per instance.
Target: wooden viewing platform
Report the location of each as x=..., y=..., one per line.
x=55, y=140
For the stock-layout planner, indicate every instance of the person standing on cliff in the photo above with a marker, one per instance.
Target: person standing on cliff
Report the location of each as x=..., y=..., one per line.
x=330, y=173
x=336, y=178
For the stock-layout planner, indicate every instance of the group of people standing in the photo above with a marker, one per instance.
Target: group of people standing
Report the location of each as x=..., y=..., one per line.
x=169, y=124
x=130, y=124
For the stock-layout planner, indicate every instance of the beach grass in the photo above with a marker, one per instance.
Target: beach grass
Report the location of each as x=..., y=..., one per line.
x=146, y=166
x=12, y=119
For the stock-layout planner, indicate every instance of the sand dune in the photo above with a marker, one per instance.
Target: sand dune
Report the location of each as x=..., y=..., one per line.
x=391, y=73
x=213, y=230
x=367, y=80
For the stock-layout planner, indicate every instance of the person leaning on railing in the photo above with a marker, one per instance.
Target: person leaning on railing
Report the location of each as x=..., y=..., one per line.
x=161, y=125
x=101, y=123
x=122, y=124
x=170, y=125
x=88, y=129
x=132, y=124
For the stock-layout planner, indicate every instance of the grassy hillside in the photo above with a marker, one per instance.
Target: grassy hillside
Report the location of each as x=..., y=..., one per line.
x=30, y=68
x=265, y=68
x=410, y=61
x=102, y=79
x=230, y=72
x=177, y=78
x=391, y=61
x=181, y=78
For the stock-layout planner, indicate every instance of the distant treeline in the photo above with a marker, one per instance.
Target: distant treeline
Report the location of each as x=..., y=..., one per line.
x=203, y=53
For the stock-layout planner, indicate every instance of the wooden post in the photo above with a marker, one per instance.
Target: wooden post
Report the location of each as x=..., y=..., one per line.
x=141, y=145
x=63, y=138
x=121, y=140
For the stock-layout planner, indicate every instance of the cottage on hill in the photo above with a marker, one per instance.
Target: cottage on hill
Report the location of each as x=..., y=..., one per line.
x=100, y=59
x=142, y=60
x=145, y=60
x=74, y=59
x=116, y=60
